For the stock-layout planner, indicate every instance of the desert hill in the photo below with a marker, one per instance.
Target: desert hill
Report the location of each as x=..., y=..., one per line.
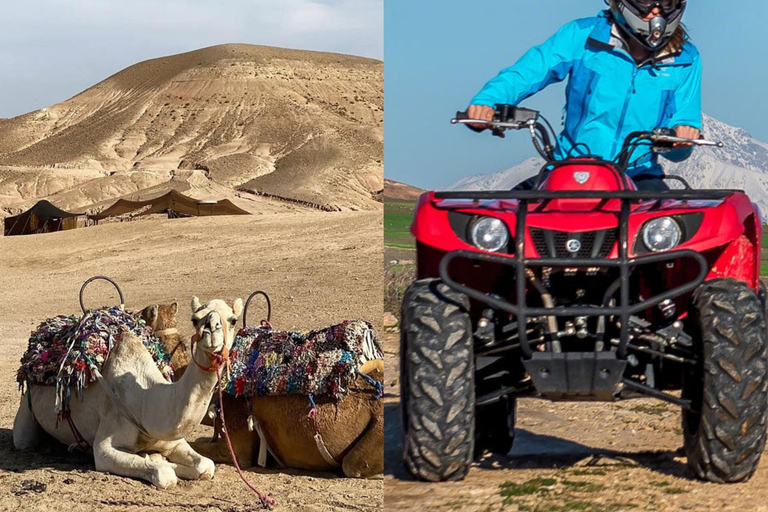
x=290, y=123
x=397, y=191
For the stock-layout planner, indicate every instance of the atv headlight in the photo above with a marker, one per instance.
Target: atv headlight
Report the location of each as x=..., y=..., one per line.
x=489, y=234
x=661, y=234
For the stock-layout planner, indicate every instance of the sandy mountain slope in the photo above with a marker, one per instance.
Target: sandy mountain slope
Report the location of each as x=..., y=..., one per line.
x=292, y=123
x=397, y=191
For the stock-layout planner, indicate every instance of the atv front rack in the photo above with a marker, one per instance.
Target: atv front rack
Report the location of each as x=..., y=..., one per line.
x=623, y=310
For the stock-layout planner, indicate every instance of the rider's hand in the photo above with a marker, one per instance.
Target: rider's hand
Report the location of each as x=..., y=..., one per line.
x=480, y=112
x=686, y=132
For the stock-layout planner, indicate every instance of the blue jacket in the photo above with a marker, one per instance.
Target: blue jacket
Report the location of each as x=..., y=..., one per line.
x=608, y=95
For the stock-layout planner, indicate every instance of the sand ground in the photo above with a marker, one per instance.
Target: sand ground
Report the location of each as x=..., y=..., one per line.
x=318, y=268
x=593, y=457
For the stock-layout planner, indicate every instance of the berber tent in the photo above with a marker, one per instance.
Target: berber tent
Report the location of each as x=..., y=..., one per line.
x=174, y=203
x=43, y=217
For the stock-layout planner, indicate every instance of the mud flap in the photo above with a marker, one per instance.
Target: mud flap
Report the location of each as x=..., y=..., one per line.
x=576, y=375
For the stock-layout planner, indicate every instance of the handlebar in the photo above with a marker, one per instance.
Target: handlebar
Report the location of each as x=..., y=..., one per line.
x=509, y=117
x=674, y=139
x=492, y=124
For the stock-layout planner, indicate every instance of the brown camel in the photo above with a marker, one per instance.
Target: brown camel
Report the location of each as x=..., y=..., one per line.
x=351, y=430
x=162, y=319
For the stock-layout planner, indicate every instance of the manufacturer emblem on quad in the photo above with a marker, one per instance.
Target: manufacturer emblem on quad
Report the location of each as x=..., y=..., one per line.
x=581, y=177
x=573, y=245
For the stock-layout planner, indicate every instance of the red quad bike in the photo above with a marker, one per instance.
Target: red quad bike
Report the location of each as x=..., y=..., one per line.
x=583, y=288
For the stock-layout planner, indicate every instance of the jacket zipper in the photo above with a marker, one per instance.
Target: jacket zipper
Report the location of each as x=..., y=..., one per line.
x=630, y=92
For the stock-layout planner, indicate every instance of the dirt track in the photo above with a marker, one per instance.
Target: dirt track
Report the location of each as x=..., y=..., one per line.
x=593, y=457
x=318, y=269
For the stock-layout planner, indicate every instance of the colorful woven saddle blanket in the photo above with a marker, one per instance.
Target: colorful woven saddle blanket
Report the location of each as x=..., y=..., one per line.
x=318, y=363
x=63, y=351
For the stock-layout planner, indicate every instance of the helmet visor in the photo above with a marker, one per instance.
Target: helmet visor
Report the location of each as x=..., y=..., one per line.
x=646, y=6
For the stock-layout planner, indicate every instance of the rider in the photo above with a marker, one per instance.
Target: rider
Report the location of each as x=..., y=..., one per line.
x=630, y=68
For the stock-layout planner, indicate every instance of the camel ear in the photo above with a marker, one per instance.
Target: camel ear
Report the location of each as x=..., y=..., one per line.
x=152, y=312
x=195, y=305
x=237, y=307
x=174, y=308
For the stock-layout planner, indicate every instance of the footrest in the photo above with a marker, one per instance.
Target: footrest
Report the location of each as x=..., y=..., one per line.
x=576, y=375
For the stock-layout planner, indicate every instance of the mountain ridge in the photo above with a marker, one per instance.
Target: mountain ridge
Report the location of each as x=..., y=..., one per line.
x=293, y=123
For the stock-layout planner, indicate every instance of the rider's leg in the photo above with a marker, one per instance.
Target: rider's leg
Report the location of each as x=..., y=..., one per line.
x=650, y=182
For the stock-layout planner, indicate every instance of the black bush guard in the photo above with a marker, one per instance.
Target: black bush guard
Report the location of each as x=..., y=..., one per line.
x=575, y=375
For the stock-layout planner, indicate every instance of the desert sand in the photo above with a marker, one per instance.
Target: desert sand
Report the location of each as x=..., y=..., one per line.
x=318, y=268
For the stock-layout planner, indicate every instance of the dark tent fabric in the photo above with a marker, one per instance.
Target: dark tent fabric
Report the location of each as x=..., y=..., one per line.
x=41, y=218
x=174, y=203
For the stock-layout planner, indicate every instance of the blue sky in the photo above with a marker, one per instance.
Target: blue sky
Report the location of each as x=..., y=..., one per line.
x=51, y=50
x=439, y=54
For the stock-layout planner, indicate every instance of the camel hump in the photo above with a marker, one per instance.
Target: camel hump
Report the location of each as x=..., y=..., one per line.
x=374, y=369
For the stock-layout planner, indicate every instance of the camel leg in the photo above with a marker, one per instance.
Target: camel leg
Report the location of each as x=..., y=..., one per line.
x=243, y=444
x=189, y=464
x=27, y=433
x=109, y=458
x=366, y=458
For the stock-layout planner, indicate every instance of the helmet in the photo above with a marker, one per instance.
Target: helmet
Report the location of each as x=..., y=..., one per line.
x=653, y=34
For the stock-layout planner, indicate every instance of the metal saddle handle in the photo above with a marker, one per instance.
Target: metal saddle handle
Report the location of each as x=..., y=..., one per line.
x=103, y=278
x=248, y=301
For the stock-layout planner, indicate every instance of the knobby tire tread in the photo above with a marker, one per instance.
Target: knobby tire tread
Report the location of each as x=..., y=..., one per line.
x=437, y=382
x=725, y=440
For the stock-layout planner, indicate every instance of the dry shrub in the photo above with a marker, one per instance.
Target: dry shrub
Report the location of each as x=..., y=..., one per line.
x=396, y=280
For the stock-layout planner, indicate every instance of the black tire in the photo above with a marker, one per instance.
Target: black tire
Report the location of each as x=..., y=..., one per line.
x=724, y=434
x=436, y=382
x=495, y=427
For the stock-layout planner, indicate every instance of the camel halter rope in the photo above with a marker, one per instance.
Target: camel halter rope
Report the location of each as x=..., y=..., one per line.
x=220, y=360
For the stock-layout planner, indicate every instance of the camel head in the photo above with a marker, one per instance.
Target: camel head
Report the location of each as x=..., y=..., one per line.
x=160, y=317
x=210, y=320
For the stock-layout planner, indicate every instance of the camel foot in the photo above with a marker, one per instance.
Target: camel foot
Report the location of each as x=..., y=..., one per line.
x=206, y=468
x=163, y=477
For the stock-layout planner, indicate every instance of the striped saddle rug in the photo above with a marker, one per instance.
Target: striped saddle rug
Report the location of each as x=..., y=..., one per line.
x=64, y=350
x=318, y=363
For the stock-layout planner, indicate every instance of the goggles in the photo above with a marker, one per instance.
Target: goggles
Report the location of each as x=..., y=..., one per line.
x=665, y=6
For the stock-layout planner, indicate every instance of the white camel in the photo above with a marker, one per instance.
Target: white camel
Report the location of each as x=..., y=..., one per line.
x=149, y=415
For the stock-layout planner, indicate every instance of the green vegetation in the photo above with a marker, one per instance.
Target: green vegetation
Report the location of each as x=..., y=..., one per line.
x=398, y=216
x=559, y=494
x=667, y=489
x=583, y=486
x=511, y=490
x=587, y=472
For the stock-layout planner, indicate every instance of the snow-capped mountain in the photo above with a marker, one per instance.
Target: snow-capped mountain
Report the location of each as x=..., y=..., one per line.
x=741, y=164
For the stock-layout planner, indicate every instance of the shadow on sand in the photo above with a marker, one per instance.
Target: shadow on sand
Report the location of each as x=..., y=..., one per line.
x=53, y=455
x=535, y=451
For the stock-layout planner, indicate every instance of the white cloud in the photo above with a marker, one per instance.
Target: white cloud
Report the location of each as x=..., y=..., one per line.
x=53, y=49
